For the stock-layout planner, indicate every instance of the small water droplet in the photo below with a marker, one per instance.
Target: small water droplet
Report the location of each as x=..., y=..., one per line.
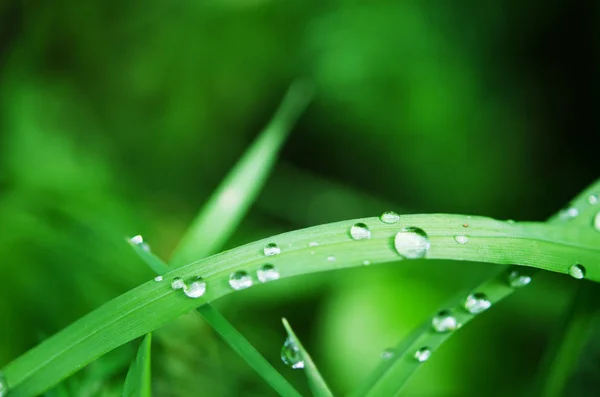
x=577, y=271
x=177, y=283
x=444, y=321
x=195, y=287
x=510, y=221
x=331, y=258
x=518, y=280
x=158, y=279
x=461, y=238
x=593, y=199
x=477, y=303
x=3, y=386
x=360, y=231
x=597, y=221
x=313, y=244
x=291, y=355
x=389, y=217
x=366, y=262
x=272, y=249
x=136, y=239
x=312, y=252
x=412, y=243
x=569, y=213
x=387, y=354
x=240, y=280
x=267, y=273
x=423, y=354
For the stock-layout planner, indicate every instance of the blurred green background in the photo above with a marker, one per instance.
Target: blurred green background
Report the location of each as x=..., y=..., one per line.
x=120, y=118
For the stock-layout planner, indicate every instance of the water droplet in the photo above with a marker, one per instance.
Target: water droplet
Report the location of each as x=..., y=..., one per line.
x=272, y=249
x=423, y=354
x=313, y=244
x=461, y=238
x=597, y=221
x=267, y=273
x=593, y=199
x=136, y=239
x=331, y=258
x=389, y=217
x=240, y=280
x=360, y=231
x=195, y=287
x=291, y=355
x=412, y=243
x=444, y=321
x=388, y=353
x=577, y=271
x=518, y=280
x=177, y=283
x=477, y=303
x=569, y=213
x=158, y=279
x=511, y=221
x=3, y=386
x=366, y=262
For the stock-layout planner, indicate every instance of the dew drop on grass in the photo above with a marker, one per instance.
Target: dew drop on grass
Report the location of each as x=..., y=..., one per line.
x=423, y=354
x=593, y=199
x=412, y=243
x=331, y=258
x=518, y=280
x=569, y=213
x=366, y=262
x=195, y=287
x=267, y=272
x=313, y=244
x=240, y=280
x=387, y=354
x=177, y=283
x=3, y=386
x=389, y=217
x=139, y=240
x=577, y=271
x=444, y=321
x=477, y=303
x=597, y=222
x=158, y=279
x=360, y=231
x=272, y=249
x=291, y=355
x=461, y=238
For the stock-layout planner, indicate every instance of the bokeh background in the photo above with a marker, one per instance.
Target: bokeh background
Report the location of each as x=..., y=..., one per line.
x=120, y=118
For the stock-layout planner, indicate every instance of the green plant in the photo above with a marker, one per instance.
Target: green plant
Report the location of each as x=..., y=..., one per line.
x=567, y=243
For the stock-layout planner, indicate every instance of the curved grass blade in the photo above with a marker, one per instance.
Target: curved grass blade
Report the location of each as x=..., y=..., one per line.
x=138, y=380
x=553, y=247
x=316, y=382
x=222, y=213
x=392, y=373
x=230, y=335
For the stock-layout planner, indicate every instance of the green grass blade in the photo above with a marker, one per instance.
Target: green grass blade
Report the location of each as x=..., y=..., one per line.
x=316, y=382
x=553, y=247
x=222, y=213
x=154, y=262
x=230, y=335
x=138, y=380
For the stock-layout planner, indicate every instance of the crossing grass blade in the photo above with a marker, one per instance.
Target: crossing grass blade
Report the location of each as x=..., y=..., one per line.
x=553, y=247
x=138, y=380
x=316, y=382
x=222, y=213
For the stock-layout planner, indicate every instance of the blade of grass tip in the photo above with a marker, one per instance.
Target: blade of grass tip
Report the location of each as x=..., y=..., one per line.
x=225, y=208
x=316, y=382
x=138, y=380
x=395, y=369
x=230, y=335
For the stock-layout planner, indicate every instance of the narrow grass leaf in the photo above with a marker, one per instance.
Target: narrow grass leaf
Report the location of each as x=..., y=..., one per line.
x=221, y=215
x=316, y=382
x=552, y=247
x=138, y=380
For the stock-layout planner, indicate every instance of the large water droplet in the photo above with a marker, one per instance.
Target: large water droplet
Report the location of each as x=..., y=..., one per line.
x=158, y=279
x=423, y=354
x=597, y=221
x=272, y=249
x=569, y=213
x=412, y=243
x=177, y=283
x=461, y=238
x=291, y=355
x=593, y=199
x=387, y=354
x=518, y=280
x=240, y=280
x=267, y=273
x=444, y=321
x=389, y=217
x=577, y=271
x=195, y=287
x=360, y=231
x=477, y=303
x=3, y=386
